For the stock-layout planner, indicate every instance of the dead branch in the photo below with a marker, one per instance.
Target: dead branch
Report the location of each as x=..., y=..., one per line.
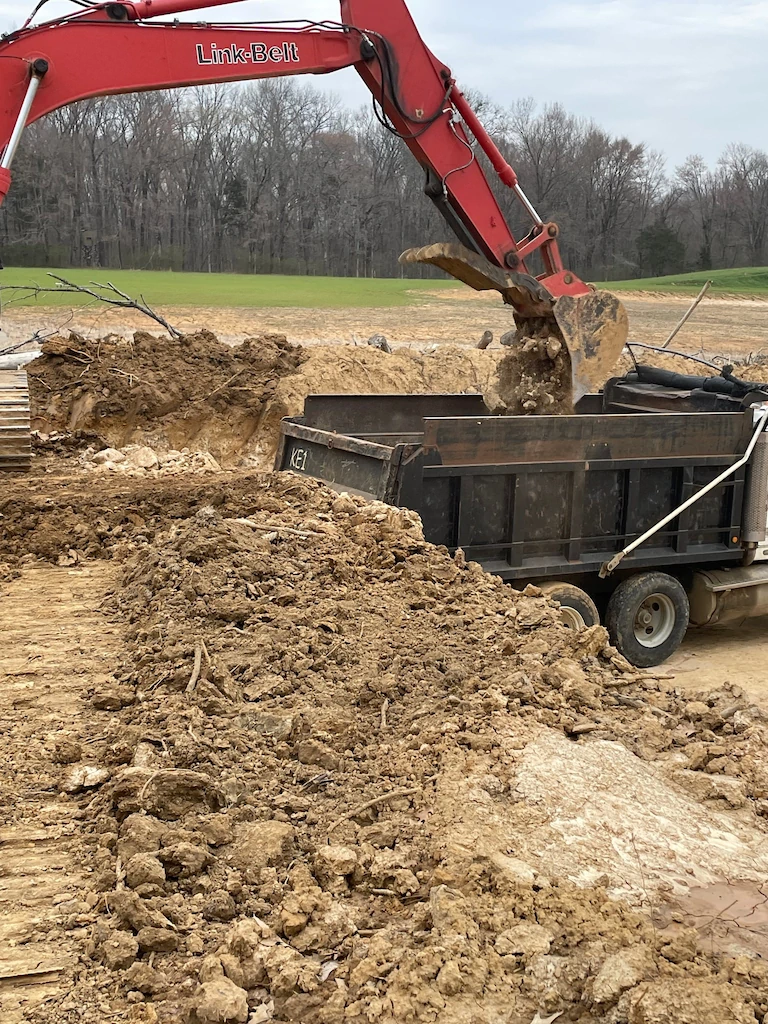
x=396, y=794
x=108, y=293
x=195, y=669
x=37, y=338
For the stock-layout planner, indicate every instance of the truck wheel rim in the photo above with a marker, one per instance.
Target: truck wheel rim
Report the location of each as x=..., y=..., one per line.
x=572, y=618
x=655, y=620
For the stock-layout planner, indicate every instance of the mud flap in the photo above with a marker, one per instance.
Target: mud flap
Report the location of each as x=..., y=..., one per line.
x=594, y=327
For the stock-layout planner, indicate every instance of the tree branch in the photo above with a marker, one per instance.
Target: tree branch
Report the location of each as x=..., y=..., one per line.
x=122, y=300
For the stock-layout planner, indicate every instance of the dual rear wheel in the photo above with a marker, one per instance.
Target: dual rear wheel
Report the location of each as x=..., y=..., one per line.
x=647, y=615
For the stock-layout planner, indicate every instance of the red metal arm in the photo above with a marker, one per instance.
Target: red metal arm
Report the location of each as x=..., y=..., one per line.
x=112, y=48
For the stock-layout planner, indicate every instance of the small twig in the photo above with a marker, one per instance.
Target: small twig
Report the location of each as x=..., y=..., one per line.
x=364, y=368
x=146, y=786
x=196, y=669
x=384, y=707
x=131, y=376
x=395, y=795
x=271, y=527
x=224, y=385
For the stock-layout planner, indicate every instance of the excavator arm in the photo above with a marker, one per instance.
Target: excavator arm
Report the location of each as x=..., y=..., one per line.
x=116, y=47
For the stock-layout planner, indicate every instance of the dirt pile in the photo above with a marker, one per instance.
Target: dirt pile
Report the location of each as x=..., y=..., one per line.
x=198, y=394
x=191, y=388
x=333, y=756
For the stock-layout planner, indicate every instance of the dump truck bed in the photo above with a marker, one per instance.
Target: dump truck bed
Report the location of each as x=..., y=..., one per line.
x=532, y=497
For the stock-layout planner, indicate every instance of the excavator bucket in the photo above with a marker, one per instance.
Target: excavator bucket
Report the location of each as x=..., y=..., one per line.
x=594, y=326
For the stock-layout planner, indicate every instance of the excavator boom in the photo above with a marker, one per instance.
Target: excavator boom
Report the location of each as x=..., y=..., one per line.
x=118, y=47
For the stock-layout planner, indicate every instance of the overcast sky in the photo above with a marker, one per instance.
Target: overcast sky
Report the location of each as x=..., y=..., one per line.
x=684, y=76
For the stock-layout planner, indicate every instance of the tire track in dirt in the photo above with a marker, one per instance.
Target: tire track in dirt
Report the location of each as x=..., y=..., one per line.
x=54, y=640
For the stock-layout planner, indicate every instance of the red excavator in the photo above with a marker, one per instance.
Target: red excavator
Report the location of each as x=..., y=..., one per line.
x=117, y=47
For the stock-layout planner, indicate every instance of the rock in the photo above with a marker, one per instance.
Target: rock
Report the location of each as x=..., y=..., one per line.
x=264, y=723
x=688, y=1001
x=67, y=751
x=184, y=860
x=219, y=907
x=145, y=979
x=131, y=909
x=696, y=709
x=621, y=972
x=220, y=1002
x=554, y=347
x=449, y=981
x=380, y=342
x=333, y=861
x=168, y=794
x=139, y=833
x=119, y=950
x=261, y=844
x=524, y=940
x=144, y=869
x=113, y=455
x=313, y=752
x=83, y=776
x=710, y=787
x=157, y=940
x=112, y=699
x=381, y=834
x=217, y=830
x=142, y=458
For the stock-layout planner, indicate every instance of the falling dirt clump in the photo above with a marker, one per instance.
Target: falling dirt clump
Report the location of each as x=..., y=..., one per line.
x=534, y=377
x=178, y=390
x=337, y=762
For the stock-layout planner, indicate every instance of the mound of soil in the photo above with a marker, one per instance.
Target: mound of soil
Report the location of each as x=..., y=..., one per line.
x=350, y=778
x=179, y=390
x=197, y=393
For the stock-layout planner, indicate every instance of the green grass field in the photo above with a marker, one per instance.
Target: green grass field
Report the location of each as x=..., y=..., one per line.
x=750, y=281
x=163, y=288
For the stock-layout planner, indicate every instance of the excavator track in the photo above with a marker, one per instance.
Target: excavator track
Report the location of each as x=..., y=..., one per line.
x=15, y=436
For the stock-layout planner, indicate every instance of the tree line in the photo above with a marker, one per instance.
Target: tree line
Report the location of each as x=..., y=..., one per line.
x=276, y=177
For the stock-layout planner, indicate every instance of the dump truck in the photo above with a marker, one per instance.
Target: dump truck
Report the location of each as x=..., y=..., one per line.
x=646, y=510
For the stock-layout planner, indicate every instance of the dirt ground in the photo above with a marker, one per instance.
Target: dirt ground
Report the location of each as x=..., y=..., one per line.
x=270, y=756
x=722, y=326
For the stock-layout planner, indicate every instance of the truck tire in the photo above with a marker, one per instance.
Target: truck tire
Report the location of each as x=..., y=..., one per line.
x=647, y=618
x=577, y=609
